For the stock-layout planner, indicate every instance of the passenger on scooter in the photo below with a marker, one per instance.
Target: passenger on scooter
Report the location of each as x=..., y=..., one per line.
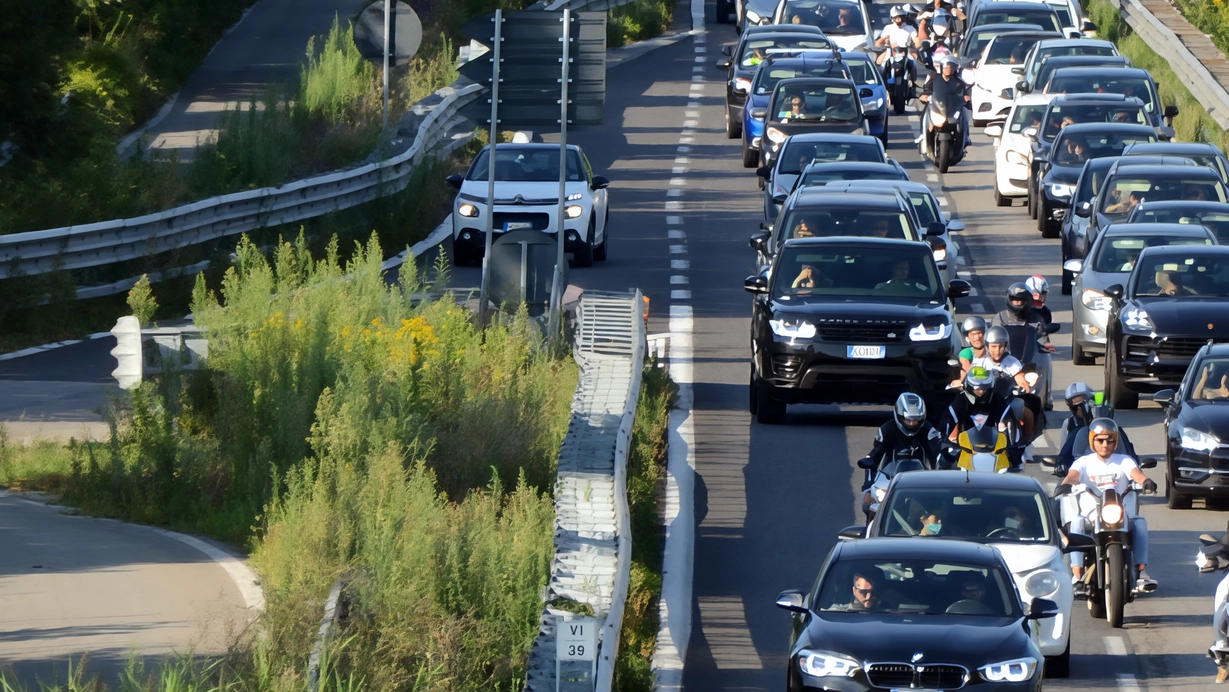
x=1020, y=310
x=974, y=329
x=898, y=34
x=1084, y=407
x=949, y=88
x=1103, y=465
x=1039, y=287
x=997, y=359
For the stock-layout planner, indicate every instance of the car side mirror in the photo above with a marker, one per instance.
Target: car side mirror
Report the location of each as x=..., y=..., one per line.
x=1042, y=608
x=1018, y=70
x=936, y=228
x=1171, y=111
x=852, y=533
x=759, y=242
x=995, y=130
x=455, y=180
x=1088, y=26
x=1147, y=462
x=865, y=93
x=600, y=182
x=1075, y=266
x=1079, y=543
x=756, y=284
x=723, y=64
x=779, y=199
x=1116, y=291
x=959, y=288
x=793, y=601
x=725, y=50
x=1022, y=87
x=1030, y=132
x=758, y=113
x=764, y=171
x=1084, y=210
x=866, y=463
x=766, y=227
x=955, y=226
x=1165, y=397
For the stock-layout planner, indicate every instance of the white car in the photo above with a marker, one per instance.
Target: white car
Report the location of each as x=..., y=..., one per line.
x=993, y=78
x=527, y=198
x=856, y=35
x=1068, y=11
x=1012, y=146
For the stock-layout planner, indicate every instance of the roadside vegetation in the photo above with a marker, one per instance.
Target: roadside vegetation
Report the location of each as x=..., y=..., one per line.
x=637, y=21
x=1209, y=16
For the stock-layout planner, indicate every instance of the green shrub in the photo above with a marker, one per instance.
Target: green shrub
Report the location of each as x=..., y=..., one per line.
x=333, y=83
x=142, y=302
x=637, y=21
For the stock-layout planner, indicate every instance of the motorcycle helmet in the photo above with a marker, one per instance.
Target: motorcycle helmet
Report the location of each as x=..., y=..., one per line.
x=910, y=413
x=1105, y=427
x=945, y=60
x=1039, y=287
x=1019, y=300
x=1080, y=410
x=997, y=335
x=897, y=11
x=979, y=385
x=973, y=324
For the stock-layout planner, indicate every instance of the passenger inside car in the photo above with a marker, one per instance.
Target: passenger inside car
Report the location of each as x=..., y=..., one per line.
x=1213, y=381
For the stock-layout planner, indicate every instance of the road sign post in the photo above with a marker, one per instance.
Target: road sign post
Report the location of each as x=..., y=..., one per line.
x=557, y=286
x=490, y=165
x=575, y=654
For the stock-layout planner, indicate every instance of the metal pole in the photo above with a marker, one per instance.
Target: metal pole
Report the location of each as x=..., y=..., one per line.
x=524, y=271
x=556, y=297
x=387, y=30
x=490, y=181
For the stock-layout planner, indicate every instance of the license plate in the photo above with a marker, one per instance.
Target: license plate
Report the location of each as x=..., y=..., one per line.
x=866, y=352
x=518, y=225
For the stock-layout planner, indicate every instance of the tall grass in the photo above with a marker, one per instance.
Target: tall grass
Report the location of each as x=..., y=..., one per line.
x=637, y=21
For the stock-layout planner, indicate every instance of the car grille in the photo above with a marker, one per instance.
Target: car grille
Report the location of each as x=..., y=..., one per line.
x=925, y=676
x=861, y=331
x=786, y=365
x=1167, y=348
x=540, y=221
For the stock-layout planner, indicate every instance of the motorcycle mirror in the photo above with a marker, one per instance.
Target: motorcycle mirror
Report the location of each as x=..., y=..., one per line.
x=1165, y=397
x=866, y=463
x=959, y=288
x=852, y=533
x=1053, y=328
x=995, y=130
x=1078, y=542
x=1147, y=462
x=1042, y=608
x=955, y=226
x=792, y=600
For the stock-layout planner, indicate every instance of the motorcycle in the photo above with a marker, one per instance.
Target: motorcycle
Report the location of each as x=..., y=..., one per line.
x=899, y=79
x=1213, y=557
x=1025, y=343
x=879, y=479
x=981, y=447
x=942, y=137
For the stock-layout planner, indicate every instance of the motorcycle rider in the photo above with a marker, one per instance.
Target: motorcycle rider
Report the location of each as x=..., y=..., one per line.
x=907, y=434
x=1104, y=465
x=1039, y=287
x=1020, y=310
x=928, y=11
x=1085, y=407
x=997, y=359
x=979, y=396
x=949, y=88
x=898, y=34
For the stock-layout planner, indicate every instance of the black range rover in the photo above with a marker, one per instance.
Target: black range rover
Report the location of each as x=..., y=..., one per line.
x=850, y=320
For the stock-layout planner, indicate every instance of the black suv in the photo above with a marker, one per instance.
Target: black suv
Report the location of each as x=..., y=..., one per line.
x=1175, y=301
x=850, y=320
x=1133, y=180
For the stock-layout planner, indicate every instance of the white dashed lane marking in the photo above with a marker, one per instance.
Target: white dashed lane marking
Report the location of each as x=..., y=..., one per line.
x=680, y=264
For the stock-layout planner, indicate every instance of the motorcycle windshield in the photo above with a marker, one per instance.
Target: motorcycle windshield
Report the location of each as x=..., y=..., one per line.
x=944, y=103
x=983, y=439
x=906, y=465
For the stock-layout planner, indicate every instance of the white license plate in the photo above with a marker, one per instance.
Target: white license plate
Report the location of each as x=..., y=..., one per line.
x=518, y=225
x=866, y=352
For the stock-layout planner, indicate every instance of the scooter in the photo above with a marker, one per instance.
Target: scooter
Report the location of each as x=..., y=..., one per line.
x=943, y=125
x=899, y=79
x=879, y=487
x=1214, y=557
x=981, y=447
x=1025, y=343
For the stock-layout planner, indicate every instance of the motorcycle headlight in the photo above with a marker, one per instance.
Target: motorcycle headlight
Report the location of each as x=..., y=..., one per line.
x=574, y=196
x=1111, y=514
x=574, y=211
x=775, y=135
x=823, y=664
x=1060, y=190
x=742, y=84
x=930, y=332
x=937, y=119
x=467, y=210
x=1041, y=583
x=792, y=330
x=1136, y=319
x=1017, y=158
x=1198, y=441
x=1202, y=561
x=1095, y=300
x=1017, y=670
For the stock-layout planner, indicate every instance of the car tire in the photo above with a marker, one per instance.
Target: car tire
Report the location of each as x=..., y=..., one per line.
x=768, y=411
x=584, y=256
x=751, y=157
x=1115, y=385
x=1059, y=666
x=753, y=394
x=1079, y=356
x=599, y=252
x=884, y=136
x=1175, y=499
x=999, y=199
x=1047, y=226
x=1032, y=202
x=724, y=10
x=733, y=128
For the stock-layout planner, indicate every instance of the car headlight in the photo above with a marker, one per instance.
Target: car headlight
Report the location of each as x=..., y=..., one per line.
x=1095, y=300
x=1018, y=670
x=1111, y=514
x=940, y=254
x=1041, y=583
x=822, y=664
x=574, y=211
x=1060, y=190
x=880, y=493
x=753, y=18
x=574, y=196
x=874, y=105
x=1198, y=441
x=930, y=332
x=1137, y=319
x=775, y=135
x=467, y=210
x=742, y=84
x=1017, y=158
x=792, y=330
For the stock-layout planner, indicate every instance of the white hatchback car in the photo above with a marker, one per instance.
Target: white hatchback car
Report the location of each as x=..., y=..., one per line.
x=993, y=78
x=527, y=198
x=1012, y=146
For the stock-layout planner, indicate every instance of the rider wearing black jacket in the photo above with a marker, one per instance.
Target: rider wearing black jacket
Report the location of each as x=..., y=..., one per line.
x=980, y=396
x=907, y=434
x=1020, y=310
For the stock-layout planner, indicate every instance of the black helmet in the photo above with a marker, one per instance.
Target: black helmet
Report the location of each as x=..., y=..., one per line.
x=910, y=413
x=1081, y=410
x=1019, y=299
x=1105, y=427
x=973, y=324
x=979, y=385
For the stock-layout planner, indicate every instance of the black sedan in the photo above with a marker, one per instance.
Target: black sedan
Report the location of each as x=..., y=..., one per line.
x=1059, y=172
x=850, y=320
x=1197, y=430
x=1212, y=215
x=900, y=613
x=1175, y=301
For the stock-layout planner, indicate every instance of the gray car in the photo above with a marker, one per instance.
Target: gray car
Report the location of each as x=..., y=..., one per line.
x=1109, y=261
x=800, y=150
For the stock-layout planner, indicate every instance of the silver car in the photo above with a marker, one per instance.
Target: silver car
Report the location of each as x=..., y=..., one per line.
x=1109, y=261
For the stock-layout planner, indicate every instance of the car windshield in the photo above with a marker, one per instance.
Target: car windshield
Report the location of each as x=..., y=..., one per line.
x=1127, y=86
x=755, y=50
x=1061, y=116
x=816, y=103
x=813, y=223
x=1073, y=149
x=833, y=17
x=1077, y=48
x=916, y=587
x=1211, y=382
x=1008, y=50
x=1127, y=191
x=1192, y=275
x=767, y=77
x=924, y=207
x=1090, y=181
x=979, y=38
x=527, y=165
x=986, y=514
x=798, y=154
x=825, y=175
x=1119, y=254
x=1064, y=14
x=1024, y=117
x=1215, y=221
x=862, y=71
x=857, y=271
x=1042, y=18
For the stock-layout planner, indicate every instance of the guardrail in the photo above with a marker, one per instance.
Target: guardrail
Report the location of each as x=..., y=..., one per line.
x=1210, y=93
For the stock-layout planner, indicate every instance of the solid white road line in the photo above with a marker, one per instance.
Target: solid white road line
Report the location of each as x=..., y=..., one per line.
x=1114, y=646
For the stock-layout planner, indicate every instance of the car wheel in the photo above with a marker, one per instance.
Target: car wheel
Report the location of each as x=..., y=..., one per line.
x=768, y=411
x=723, y=11
x=1068, y=277
x=1045, y=224
x=1115, y=384
x=1079, y=356
x=1032, y=202
x=999, y=199
x=884, y=136
x=733, y=128
x=462, y=256
x=753, y=395
x=584, y=256
x=1060, y=666
x=751, y=157
x=599, y=252
x=1175, y=499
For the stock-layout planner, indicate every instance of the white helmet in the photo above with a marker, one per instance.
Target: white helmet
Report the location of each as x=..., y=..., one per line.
x=944, y=60
x=1037, y=284
x=897, y=11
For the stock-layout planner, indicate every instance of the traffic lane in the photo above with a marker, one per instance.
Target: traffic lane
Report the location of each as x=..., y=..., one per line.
x=1165, y=632
x=58, y=393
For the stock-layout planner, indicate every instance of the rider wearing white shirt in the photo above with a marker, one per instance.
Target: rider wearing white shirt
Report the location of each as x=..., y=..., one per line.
x=898, y=34
x=1099, y=471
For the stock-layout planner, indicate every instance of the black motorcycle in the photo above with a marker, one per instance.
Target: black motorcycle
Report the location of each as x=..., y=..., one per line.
x=943, y=139
x=899, y=79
